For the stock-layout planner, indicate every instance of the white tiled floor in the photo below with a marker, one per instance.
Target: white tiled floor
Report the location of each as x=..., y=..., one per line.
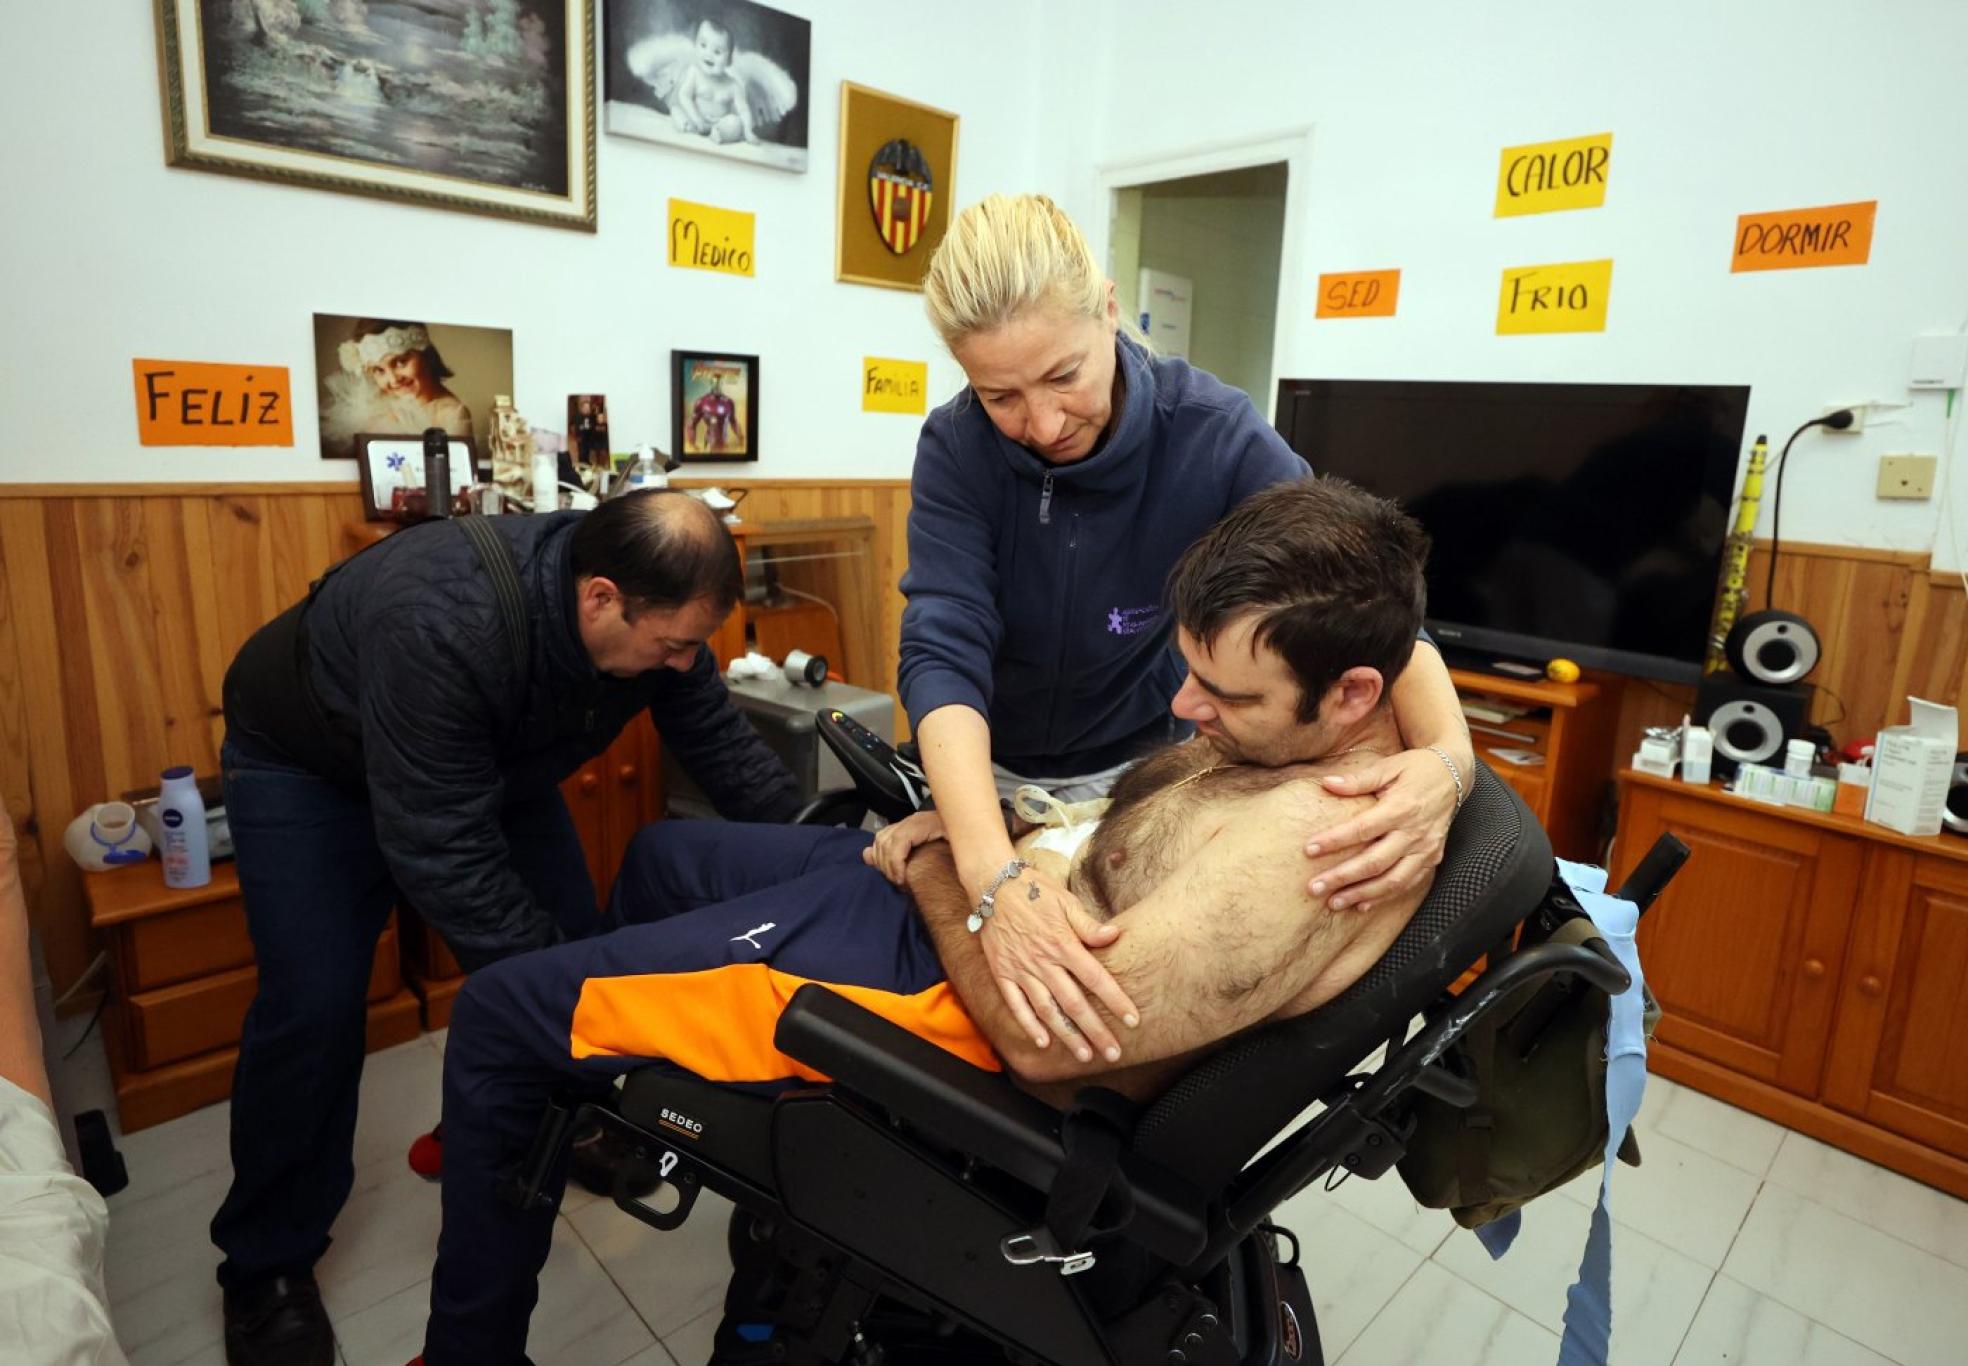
x=1736, y=1244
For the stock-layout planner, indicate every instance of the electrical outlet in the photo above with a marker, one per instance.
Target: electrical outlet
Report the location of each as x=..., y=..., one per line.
x=1906, y=476
x=1858, y=411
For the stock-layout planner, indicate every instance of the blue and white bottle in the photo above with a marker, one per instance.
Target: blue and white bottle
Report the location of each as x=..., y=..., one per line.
x=181, y=816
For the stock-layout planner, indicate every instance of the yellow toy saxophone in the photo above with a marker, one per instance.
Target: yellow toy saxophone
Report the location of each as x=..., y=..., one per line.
x=1733, y=592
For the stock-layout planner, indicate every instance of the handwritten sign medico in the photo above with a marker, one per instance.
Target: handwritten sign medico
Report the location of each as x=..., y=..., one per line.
x=193, y=403
x=1359, y=294
x=704, y=237
x=1795, y=239
x=894, y=386
x=1545, y=177
x=1567, y=297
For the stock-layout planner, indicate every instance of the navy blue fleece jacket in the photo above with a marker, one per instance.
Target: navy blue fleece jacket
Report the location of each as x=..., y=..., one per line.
x=1035, y=591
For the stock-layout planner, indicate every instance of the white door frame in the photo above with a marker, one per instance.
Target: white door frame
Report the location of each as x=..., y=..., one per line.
x=1293, y=146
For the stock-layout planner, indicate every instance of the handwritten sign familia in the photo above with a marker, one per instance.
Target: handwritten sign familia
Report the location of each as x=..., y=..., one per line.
x=1568, y=297
x=1545, y=177
x=193, y=403
x=1359, y=294
x=704, y=237
x=894, y=386
x=1794, y=239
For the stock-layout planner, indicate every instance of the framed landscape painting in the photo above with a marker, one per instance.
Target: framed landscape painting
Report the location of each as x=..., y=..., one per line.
x=481, y=105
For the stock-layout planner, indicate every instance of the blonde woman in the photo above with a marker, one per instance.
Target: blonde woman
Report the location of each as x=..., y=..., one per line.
x=1050, y=500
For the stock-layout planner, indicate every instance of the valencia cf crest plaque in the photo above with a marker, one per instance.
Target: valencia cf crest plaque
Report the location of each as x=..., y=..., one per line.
x=897, y=179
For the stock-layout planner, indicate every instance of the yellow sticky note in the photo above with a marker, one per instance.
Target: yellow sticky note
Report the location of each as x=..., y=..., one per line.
x=1567, y=297
x=1544, y=177
x=894, y=386
x=705, y=237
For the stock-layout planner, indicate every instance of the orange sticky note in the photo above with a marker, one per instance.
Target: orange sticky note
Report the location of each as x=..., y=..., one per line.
x=196, y=403
x=1358, y=294
x=1796, y=239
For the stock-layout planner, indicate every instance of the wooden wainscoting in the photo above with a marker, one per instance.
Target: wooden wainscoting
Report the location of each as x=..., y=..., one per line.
x=120, y=609
x=1891, y=628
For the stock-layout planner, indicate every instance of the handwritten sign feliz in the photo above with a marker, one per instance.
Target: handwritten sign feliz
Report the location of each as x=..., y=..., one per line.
x=1545, y=177
x=894, y=386
x=1796, y=239
x=705, y=237
x=1358, y=294
x=195, y=403
x=1567, y=297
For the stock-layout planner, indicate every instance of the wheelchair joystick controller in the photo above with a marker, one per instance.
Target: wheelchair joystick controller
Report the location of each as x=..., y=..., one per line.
x=893, y=786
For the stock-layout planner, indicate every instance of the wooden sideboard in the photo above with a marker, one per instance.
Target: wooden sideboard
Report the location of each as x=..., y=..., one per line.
x=184, y=975
x=1571, y=726
x=1812, y=968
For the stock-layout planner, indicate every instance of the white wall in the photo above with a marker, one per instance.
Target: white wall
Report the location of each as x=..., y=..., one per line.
x=107, y=254
x=1396, y=115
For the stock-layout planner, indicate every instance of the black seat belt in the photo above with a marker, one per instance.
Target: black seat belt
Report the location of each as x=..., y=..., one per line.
x=1094, y=1131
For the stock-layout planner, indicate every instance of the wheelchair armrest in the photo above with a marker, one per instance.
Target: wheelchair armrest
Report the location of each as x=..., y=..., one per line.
x=971, y=1110
x=837, y=806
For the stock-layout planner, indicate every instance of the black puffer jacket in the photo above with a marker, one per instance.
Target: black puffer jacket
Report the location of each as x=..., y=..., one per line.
x=417, y=701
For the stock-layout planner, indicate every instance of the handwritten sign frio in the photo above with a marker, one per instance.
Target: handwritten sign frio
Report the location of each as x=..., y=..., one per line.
x=894, y=386
x=1796, y=239
x=1546, y=177
x=1358, y=294
x=1570, y=296
x=705, y=237
x=196, y=403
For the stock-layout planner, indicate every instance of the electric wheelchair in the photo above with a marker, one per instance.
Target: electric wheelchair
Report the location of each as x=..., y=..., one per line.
x=918, y=1209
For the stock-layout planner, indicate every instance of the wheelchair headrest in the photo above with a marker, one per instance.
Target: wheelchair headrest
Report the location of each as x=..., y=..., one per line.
x=1495, y=871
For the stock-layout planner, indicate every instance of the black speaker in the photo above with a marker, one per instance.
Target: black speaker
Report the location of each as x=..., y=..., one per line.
x=1752, y=722
x=1777, y=648
x=1954, y=815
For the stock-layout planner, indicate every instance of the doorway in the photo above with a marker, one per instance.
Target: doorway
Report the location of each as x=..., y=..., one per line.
x=1196, y=262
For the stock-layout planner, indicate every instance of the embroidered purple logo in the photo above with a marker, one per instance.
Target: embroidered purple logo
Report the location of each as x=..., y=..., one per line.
x=1131, y=621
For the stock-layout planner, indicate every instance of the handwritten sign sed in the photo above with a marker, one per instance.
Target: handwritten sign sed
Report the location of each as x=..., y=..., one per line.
x=1359, y=294
x=194, y=403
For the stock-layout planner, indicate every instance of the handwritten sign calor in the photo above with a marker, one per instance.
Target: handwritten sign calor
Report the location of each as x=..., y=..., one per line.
x=1794, y=239
x=704, y=237
x=194, y=403
x=1359, y=294
x=1567, y=297
x=1545, y=177
x=894, y=386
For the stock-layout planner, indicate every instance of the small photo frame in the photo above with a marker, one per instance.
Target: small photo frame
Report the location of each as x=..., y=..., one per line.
x=714, y=413
x=898, y=179
x=392, y=467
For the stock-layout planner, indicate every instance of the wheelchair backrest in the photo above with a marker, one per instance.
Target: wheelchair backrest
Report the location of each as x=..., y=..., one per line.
x=1495, y=871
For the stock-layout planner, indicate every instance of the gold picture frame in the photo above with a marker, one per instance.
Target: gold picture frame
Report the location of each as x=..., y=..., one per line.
x=236, y=100
x=872, y=123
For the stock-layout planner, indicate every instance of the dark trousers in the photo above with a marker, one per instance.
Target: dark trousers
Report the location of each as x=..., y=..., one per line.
x=718, y=925
x=317, y=895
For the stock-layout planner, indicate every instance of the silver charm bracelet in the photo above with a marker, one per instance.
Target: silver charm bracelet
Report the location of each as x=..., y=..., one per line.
x=989, y=901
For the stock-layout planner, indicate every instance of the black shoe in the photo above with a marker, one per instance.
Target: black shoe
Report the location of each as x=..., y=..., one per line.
x=278, y=1322
x=597, y=1155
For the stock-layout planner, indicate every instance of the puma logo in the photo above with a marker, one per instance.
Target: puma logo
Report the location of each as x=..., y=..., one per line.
x=760, y=929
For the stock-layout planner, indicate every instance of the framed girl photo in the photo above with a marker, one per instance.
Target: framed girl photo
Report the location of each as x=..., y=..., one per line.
x=898, y=178
x=481, y=105
x=714, y=410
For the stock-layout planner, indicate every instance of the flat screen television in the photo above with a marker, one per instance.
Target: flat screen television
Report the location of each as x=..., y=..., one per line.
x=1583, y=520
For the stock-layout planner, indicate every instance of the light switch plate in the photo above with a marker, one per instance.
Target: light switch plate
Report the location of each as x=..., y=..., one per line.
x=1906, y=476
x=1938, y=361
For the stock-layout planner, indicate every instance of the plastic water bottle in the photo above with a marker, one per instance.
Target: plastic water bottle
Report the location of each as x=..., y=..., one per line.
x=646, y=473
x=181, y=816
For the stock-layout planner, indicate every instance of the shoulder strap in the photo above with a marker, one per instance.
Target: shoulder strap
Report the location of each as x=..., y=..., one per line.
x=500, y=566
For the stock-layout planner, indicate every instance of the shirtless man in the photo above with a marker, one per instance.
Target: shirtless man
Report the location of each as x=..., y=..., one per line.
x=1296, y=614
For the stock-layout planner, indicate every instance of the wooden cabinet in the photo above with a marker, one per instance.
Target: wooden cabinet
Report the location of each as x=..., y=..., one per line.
x=1812, y=968
x=1570, y=727
x=183, y=977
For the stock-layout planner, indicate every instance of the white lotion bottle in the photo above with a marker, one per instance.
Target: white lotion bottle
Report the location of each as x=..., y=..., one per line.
x=181, y=816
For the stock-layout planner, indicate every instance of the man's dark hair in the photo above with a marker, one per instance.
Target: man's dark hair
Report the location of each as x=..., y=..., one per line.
x=662, y=548
x=1333, y=573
